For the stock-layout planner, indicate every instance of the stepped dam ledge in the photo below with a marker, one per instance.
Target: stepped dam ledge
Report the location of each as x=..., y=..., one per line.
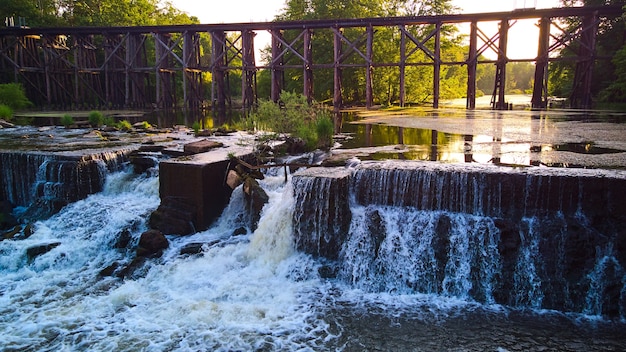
x=540, y=238
x=46, y=181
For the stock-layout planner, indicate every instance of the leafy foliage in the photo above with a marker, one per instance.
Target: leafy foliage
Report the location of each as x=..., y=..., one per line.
x=293, y=115
x=95, y=12
x=12, y=95
x=67, y=120
x=96, y=119
x=6, y=112
x=124, y=125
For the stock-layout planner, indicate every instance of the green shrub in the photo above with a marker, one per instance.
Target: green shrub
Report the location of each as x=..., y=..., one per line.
x=308, y=135
x=6, y=112
x=196, y=127
x=145, y=125
x=109, y=121
x=67, y=120
x=13, y=95
x=325, y=129
x=96, y=119
x=124, y=125
x=293, y=115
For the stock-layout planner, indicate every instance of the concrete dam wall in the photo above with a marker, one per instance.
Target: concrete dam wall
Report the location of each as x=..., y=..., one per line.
x=524, y=237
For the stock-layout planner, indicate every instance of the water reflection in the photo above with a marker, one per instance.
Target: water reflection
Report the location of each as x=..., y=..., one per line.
x=544, y=138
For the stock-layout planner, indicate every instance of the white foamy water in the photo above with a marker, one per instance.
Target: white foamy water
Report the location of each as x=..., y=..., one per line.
x=243, y=293
x=252, y=292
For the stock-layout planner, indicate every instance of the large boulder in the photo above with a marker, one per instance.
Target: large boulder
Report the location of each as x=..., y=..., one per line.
x=151, y=244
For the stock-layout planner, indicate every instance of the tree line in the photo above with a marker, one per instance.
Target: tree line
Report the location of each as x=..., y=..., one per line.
x=609, y=77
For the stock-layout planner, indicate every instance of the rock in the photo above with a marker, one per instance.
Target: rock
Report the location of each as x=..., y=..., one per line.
x=6, y=124
x=141, y=162
x=292, y=145
x=29, y=230
x=233, y=179
x=152, y=243
x=150, y=148
x=7, y=220
x=35, y=251
x=132, y=270
x=174, y=216
x=204, y=133
x=256, y=198
x=123, y=239
x=202, y=146
x=240, y=231
x=9, y=235
x=109, y=270
x=196, y=247
x=191, y=249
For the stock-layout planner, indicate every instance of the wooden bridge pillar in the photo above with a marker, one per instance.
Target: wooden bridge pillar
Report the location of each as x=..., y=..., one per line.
x=219, y=70
x=248, y=70
x=498, y=100
x=308, y=65
x=437, y=65
x=88, y=86
x=369, y=91
x=402, y=66
x=165, y=90
x=276, y=66
x=580, y=97
x=540, y=86
x=337, y=72
x=192, y=74
x=472, y=63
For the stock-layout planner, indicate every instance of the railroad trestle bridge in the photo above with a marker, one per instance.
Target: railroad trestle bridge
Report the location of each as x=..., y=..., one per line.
x=162, y=67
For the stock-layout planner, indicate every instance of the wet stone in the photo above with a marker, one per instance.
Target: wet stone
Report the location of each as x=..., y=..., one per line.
x=202, y=146
x=35, y=251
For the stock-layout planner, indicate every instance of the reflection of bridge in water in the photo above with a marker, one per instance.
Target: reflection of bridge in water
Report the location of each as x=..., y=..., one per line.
x=162, y=67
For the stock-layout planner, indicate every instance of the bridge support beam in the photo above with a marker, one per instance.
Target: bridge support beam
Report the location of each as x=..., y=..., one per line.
x=248, y=71
x=540, y=86
x=581, y=91
x=498, y=100
x=218, y=71
x=472, y=63
x=276, y=66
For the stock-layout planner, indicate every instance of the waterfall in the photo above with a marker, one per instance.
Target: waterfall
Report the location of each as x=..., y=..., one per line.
x=520, y=237
x=46, y=182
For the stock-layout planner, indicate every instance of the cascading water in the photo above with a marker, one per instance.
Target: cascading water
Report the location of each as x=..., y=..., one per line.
x=46, y=182
x=244, y=292
x=405, y=279
x=522, y=238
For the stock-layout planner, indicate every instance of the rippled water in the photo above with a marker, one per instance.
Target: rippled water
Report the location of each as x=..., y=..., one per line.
x=252, y=292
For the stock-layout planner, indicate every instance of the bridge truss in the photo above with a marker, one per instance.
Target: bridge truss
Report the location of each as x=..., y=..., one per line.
x=167, y=67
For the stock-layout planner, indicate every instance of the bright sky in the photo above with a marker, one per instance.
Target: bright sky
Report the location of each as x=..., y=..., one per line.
x=232, y=11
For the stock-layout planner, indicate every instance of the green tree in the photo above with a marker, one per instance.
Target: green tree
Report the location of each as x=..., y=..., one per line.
x=610, y=41
x=386, y=49
x=35, y=12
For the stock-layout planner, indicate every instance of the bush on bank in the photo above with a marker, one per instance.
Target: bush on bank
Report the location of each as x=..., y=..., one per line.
x=295, y=116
